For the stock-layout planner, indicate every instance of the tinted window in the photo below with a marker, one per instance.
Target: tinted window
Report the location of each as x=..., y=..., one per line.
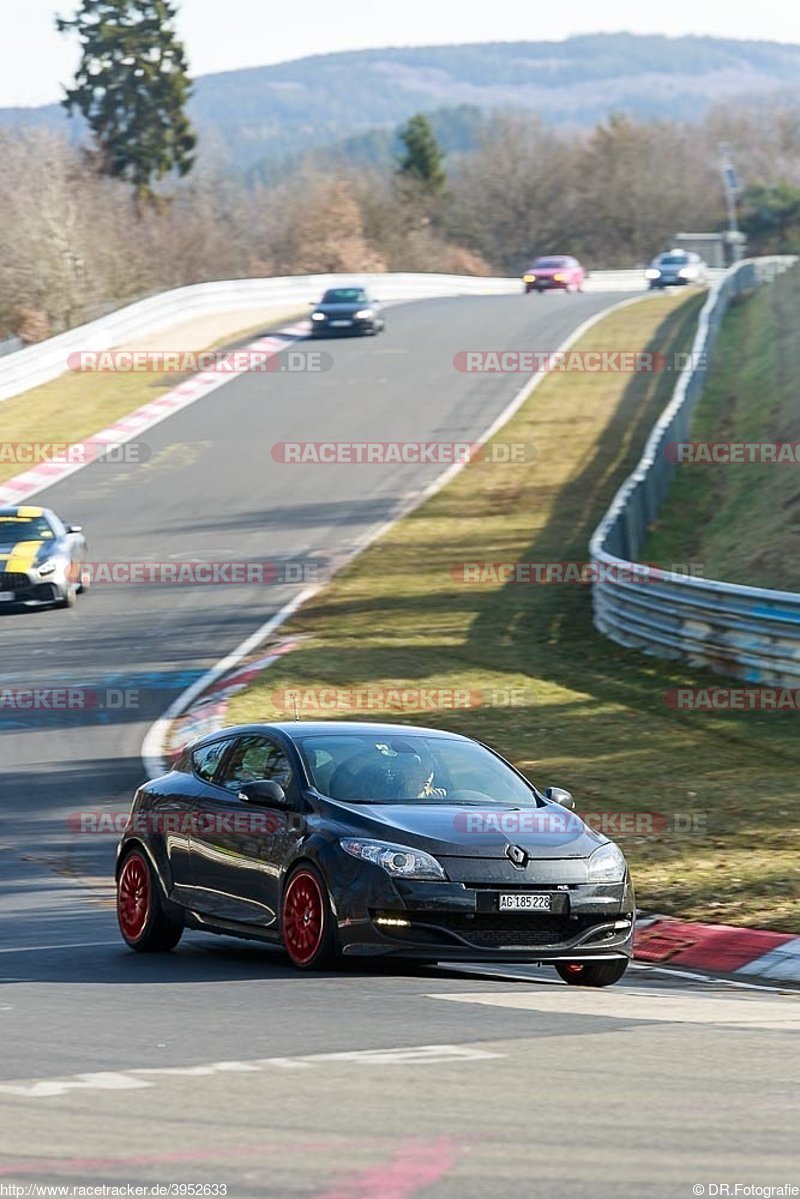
x=252, y=759
x=206, y=759
x=345, y=295
x=183, y=763
x=547, y=263
x=25, y=528
x=365, y=768
x=674, y=259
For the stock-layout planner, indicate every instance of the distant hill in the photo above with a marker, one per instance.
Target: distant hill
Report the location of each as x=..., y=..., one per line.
x=260, y=114
x=457, y=129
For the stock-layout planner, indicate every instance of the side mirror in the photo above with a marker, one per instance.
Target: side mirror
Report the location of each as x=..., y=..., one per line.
x=560, y=796
x=74, y=528
x=264, y=793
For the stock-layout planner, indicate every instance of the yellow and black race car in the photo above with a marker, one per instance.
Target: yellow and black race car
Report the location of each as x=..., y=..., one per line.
x=42, y=560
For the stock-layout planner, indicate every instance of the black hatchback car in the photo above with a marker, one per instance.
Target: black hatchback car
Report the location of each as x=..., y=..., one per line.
x=362, y=840
x=344, y=310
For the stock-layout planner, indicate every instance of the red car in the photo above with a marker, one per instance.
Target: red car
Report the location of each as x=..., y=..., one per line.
x=548, y=274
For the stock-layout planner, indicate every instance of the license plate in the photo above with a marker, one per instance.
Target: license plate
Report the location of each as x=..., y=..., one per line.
x=526, y=903
x=341, y=324
x=7, y=597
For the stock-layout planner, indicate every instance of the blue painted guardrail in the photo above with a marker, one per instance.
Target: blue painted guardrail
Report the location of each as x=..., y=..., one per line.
x=750, y=633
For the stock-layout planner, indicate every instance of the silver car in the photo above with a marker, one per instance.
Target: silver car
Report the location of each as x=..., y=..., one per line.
x=676, y=268
x=42, y=561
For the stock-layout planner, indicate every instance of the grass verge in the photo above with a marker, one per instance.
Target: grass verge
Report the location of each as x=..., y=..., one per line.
x=75, y=406
x=742, y=520
x=589, y=715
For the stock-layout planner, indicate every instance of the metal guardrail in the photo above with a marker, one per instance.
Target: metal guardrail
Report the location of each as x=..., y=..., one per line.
x=749, y=633
x=34, y=365
x=10, y=345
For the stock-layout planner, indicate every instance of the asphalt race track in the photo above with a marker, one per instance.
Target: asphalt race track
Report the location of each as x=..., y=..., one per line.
x=219, y=1064
x=211, y=490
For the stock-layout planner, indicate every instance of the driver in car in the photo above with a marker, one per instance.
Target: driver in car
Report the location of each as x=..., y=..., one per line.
x=414, y=780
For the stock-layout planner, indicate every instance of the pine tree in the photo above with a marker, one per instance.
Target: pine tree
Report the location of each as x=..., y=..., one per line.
x=132, y=86
x=423, y=159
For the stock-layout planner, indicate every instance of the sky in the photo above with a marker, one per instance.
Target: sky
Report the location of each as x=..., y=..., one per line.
x=221, y=35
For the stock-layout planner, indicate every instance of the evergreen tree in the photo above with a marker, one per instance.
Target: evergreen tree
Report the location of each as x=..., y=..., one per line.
x=771, y=217
x=132, y=86
x=423, y=159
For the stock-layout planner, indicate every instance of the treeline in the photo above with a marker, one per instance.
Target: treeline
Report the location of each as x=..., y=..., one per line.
x=74, y=244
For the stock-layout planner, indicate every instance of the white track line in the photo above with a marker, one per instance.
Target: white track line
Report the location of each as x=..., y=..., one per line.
x=498, y=974
x=50, y=948
x=136, y=1078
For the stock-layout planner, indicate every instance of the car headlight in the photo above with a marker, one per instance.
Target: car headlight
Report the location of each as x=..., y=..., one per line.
x=364, y=314
x=47, y=567
x=398, y=860
x=686, y=272
x=560, y=278
x=318, y=316
x=528, y=278
x=652, y=273
x=607, y=865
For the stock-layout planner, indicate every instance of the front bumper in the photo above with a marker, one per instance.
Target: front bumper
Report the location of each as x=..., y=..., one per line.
x=356, y=328
x=547, y=285
x=458, y=921
x=26, y=590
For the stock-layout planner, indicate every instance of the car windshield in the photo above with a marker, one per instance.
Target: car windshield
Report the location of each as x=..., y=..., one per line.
x=673, y=259
x=385, y=768
x=24, y=528
x=544, y=264
x=345, y=295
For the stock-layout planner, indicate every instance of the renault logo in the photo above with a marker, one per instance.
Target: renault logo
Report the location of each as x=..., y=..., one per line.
x=517, y=856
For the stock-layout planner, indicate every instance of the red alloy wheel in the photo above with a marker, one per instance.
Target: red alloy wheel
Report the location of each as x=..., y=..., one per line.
x=133, y=897
x=303, y=918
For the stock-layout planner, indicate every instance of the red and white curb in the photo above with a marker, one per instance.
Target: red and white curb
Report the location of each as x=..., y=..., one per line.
x=46, y=474
x=718, y=948
x=207, y=714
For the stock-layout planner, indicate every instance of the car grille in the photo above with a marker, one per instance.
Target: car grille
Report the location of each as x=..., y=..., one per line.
x=11, y=581
x=499, y=931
